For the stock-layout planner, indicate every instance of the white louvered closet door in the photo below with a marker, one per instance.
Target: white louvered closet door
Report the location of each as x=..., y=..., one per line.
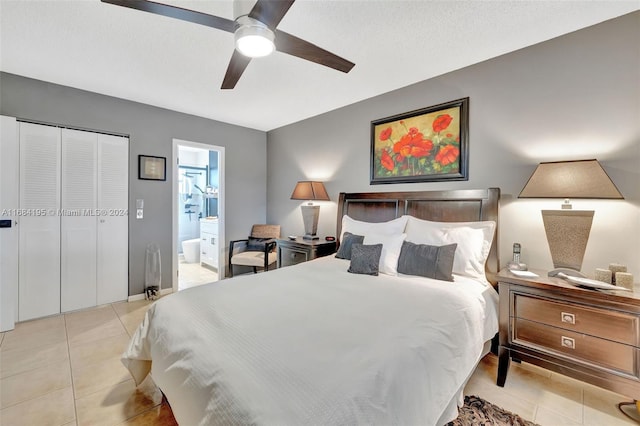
x=39, y=229
x=113, y=240
x=9, y=177
x=78, y=227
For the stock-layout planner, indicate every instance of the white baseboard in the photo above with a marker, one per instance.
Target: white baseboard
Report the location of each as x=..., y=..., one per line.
x=163, y=292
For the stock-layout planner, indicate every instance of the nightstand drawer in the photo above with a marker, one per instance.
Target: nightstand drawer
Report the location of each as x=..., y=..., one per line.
x=292, y=252
x=600, y=352
x=611, y=325
x=290, y=257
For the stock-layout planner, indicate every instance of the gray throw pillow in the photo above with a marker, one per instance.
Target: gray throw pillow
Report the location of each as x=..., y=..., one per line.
x=365, y=259
x=257, y=244
x=427, y=261
x=348, y=240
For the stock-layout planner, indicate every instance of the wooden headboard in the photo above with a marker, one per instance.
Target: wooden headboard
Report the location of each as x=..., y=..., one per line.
x=440, y=206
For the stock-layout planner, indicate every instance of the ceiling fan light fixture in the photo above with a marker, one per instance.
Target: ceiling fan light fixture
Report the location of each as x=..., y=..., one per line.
x=253, y=38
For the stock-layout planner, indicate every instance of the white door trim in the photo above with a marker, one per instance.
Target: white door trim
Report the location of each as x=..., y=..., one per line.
x=175, y=210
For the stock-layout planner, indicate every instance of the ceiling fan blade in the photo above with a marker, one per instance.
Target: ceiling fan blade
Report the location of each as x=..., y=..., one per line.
x=292, y=45
x=237, y=65
x=205, y=19
x=270, y=12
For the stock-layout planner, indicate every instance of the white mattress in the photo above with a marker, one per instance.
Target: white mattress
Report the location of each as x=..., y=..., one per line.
x=313, y=344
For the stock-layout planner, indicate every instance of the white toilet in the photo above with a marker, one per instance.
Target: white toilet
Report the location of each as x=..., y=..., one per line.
x=191, y=250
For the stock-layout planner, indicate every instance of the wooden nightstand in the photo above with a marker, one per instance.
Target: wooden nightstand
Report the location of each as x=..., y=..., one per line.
x=292, y=252
x=590, y=335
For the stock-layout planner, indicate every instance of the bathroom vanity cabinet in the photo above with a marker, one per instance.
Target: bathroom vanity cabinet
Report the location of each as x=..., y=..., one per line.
x=209, y=244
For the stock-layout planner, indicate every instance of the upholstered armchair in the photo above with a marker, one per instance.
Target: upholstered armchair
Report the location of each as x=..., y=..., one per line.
x=257, y=251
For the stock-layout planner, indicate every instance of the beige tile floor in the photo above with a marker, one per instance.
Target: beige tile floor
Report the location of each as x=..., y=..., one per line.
x=65, y=370
x=546, y=398
x=192, y=274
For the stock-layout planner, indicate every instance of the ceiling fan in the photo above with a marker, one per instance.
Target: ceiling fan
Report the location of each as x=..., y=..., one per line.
x=255, y=33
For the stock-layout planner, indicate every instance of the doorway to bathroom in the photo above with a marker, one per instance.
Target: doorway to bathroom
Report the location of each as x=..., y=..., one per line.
x=198, y=214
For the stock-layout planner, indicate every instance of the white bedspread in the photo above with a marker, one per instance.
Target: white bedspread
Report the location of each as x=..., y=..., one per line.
x=312, y=344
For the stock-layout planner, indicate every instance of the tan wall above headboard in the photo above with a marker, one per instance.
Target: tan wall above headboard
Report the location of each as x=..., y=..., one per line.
x=442, y=206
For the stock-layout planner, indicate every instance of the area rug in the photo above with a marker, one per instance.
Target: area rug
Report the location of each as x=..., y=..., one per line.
x=478, y=412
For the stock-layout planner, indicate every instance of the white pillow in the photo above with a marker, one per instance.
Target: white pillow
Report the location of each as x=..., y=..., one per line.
x=357, y=227
x=473, y=238
x=391, y=247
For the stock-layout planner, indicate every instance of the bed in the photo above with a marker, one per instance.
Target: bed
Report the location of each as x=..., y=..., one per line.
x=314, y=344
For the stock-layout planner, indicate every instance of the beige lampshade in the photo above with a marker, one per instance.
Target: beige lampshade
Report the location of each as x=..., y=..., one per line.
x=309, y=190
x=570, y=179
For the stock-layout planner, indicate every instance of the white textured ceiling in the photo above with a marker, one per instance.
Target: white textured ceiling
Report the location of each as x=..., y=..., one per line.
x=177, y=65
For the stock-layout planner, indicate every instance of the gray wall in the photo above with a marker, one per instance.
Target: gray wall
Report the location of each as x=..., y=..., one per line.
x=574, y=97
x=151, y=131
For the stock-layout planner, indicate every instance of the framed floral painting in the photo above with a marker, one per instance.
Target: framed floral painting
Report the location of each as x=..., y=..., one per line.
x=426, y=145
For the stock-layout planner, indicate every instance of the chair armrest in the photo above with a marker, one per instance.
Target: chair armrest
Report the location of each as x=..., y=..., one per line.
x=238, y=249
x=238, y=245
x=270, y=246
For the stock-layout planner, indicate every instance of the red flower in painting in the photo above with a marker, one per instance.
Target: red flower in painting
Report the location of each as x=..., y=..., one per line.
x=386, y=161
x=385, y=134
x=441, y=122
x=413, y=144
x=447, y=155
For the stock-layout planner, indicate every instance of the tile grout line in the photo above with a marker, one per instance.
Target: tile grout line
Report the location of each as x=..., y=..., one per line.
x=120, y=320
x=535, y=413
x=582, y=395
x=73, y=387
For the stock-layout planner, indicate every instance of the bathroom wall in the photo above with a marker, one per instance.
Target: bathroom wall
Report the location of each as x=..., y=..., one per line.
x=214, y=181
x=192, y=207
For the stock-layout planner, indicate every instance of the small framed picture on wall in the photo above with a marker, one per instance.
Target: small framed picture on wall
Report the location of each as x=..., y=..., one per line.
x=152, y=168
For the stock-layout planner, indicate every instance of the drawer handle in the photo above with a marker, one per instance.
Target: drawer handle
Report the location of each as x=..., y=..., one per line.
x=568, y=318
x=568, y=342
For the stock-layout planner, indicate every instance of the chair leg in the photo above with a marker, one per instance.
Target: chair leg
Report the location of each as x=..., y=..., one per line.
x=255, y=271
x=230, y=270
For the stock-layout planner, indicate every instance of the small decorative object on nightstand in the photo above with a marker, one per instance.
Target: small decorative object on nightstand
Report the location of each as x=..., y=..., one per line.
x=515, y=264
x=292, y=252
x=590, y=335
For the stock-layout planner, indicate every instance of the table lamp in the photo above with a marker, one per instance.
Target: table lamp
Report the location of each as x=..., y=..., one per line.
x=310, y=191
x=568, y=230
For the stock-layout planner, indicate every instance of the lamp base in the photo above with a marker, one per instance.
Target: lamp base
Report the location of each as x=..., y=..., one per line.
x=567, y=234
x=310, y=237
x=310, y=214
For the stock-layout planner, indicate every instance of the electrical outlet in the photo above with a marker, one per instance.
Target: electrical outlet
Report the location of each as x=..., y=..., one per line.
x=139, y=214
